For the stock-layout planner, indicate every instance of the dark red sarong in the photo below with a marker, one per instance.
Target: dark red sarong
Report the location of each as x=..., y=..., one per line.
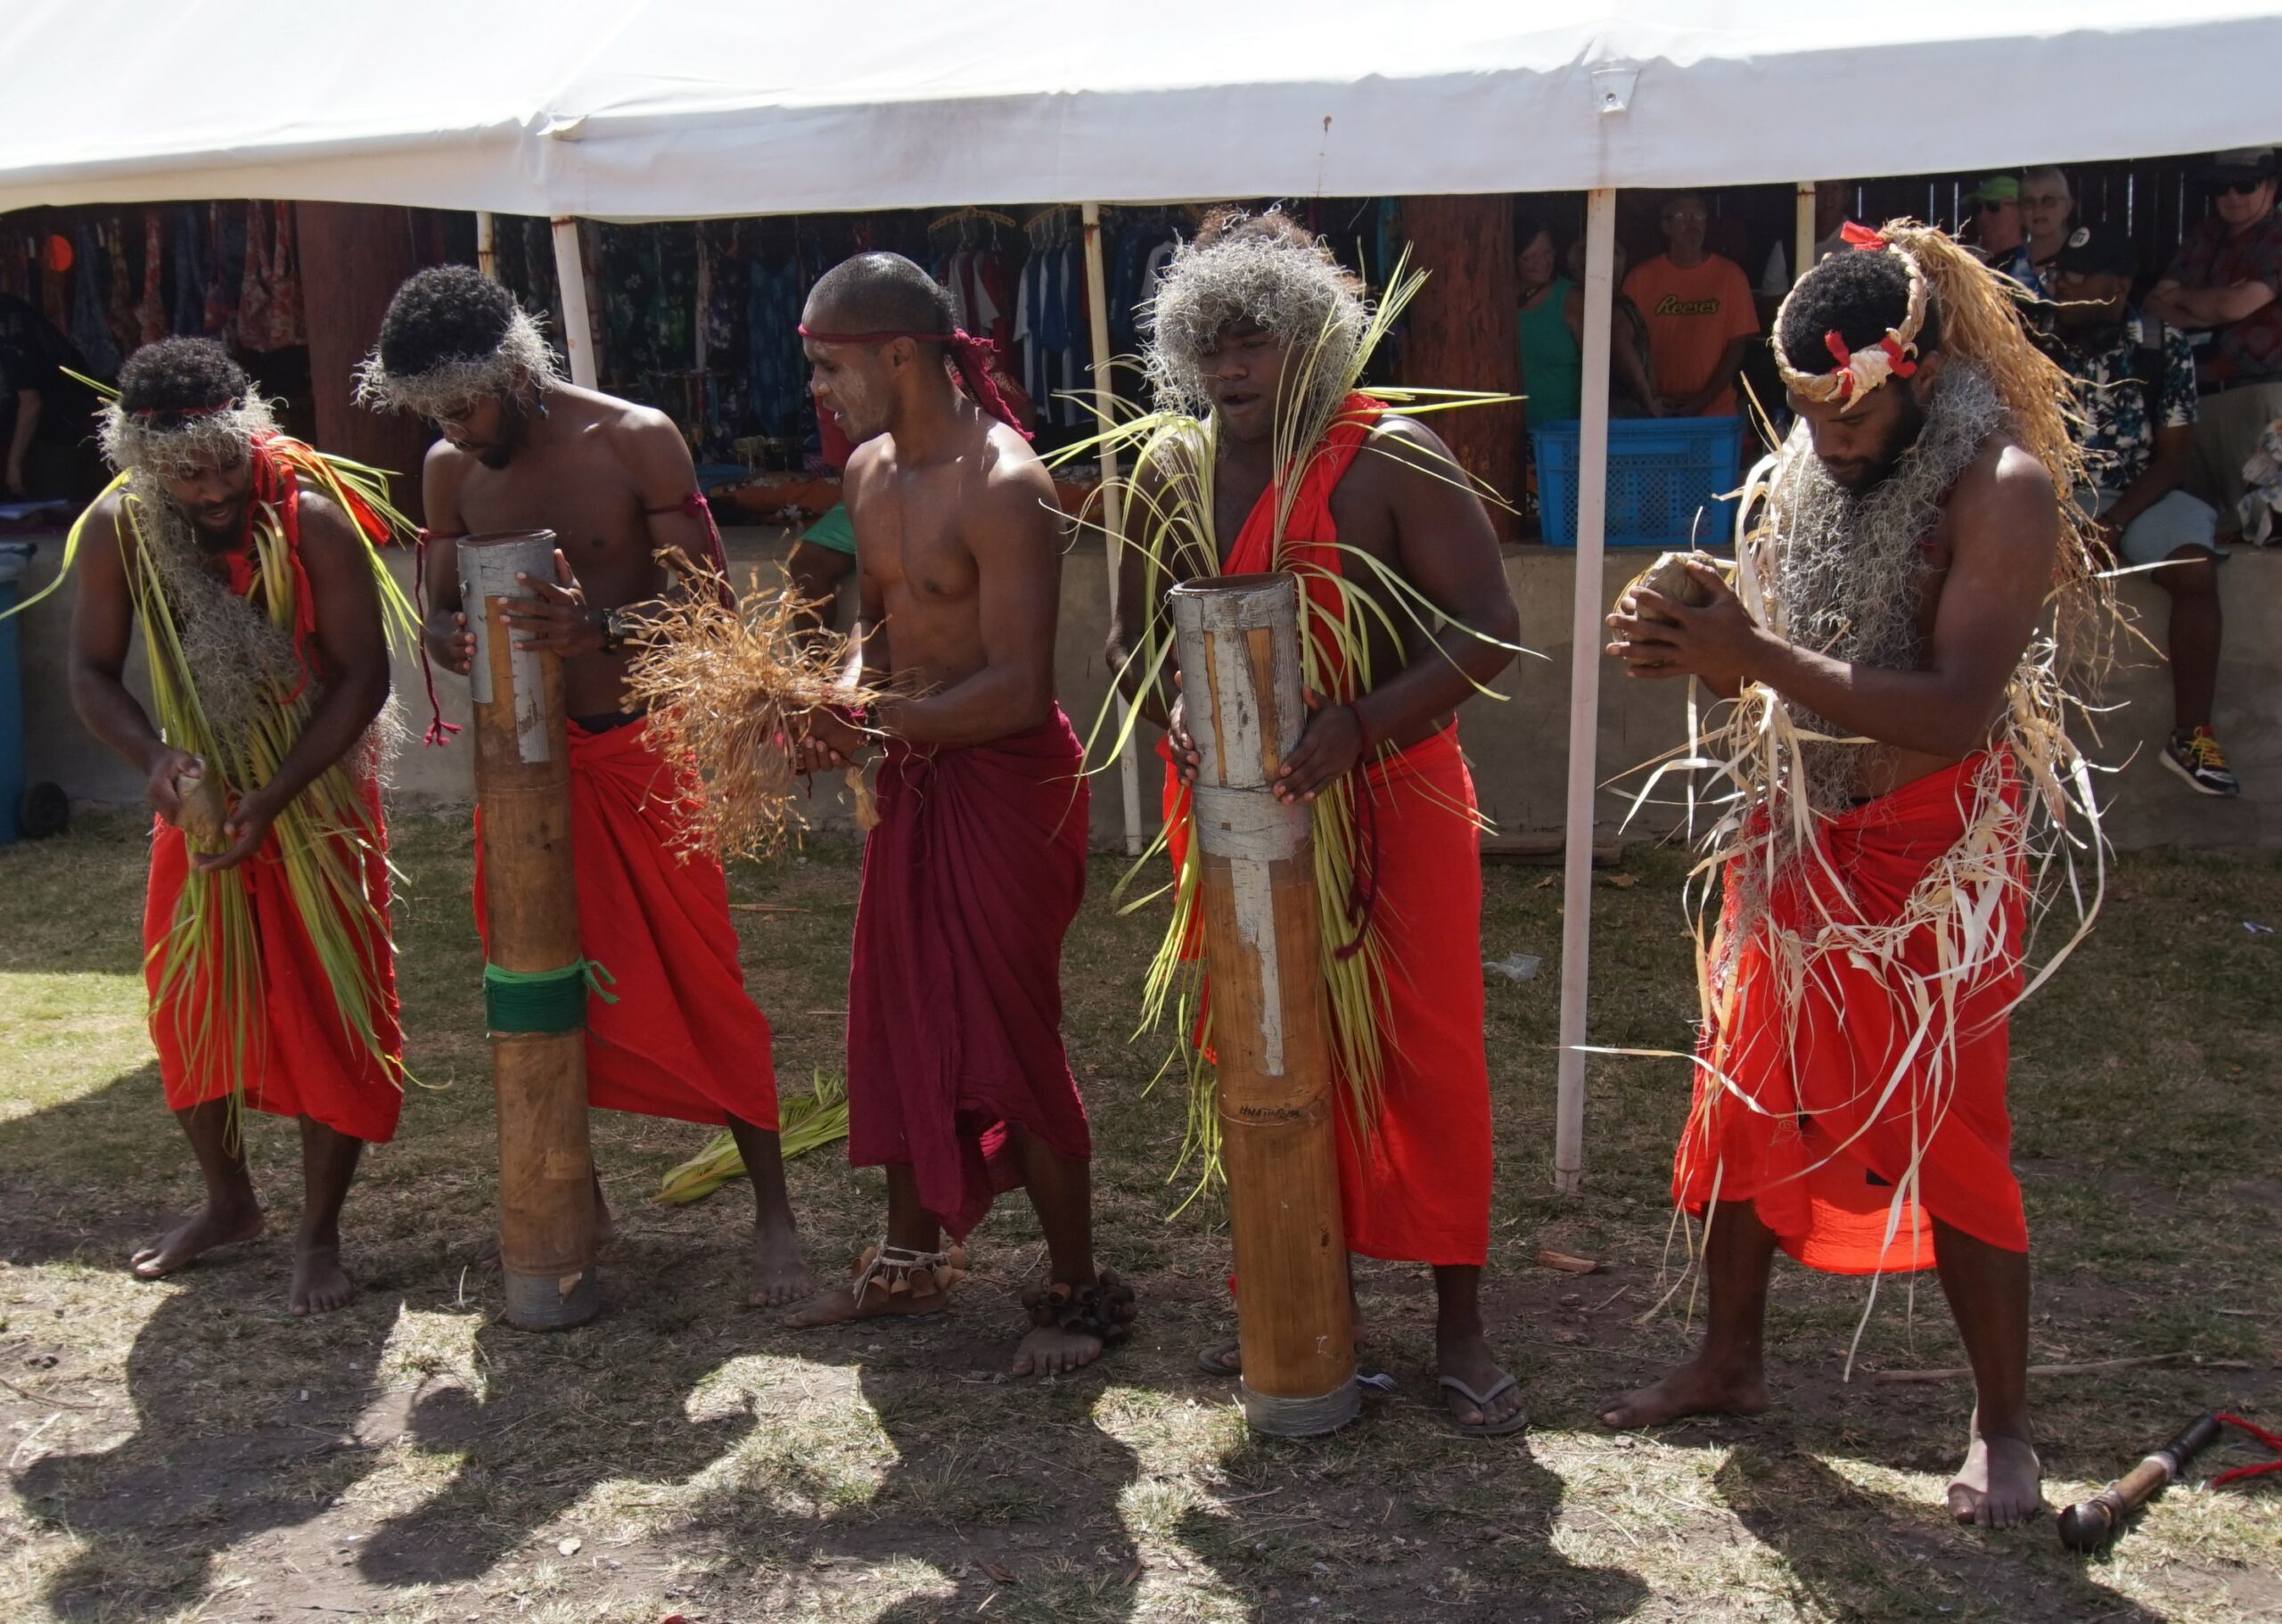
x=304, y=1060
x=1841, y=1088
x=971, y=880
x=683, y=1040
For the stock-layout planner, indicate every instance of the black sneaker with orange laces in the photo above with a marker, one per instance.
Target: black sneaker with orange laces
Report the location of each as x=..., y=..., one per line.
x=2197, y=757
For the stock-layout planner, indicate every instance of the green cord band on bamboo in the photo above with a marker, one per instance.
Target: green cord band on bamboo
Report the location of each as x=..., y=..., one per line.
x=542, y=1000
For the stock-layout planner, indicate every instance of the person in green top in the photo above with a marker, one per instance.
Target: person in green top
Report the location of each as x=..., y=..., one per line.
x=1551, y=325
x=824, y=556
x=1551, y=329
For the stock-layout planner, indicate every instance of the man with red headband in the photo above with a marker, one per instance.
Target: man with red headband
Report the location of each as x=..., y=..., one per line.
x=1894, y=727
x=957, y=1083
x=523, y=450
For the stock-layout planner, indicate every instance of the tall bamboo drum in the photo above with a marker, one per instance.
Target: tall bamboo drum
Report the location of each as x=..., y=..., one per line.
x=1237, y=641
x=534, y=982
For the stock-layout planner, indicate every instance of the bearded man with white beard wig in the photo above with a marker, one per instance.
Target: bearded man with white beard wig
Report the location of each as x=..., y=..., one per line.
x=1896, y=741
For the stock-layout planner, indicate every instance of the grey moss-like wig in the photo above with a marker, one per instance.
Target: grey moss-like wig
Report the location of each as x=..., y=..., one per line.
x=1261, y=271
x=177, y=446
x=446, y=388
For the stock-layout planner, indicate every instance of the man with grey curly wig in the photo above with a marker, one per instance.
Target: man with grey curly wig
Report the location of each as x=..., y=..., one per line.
x=1259, y=334
x=521, y=450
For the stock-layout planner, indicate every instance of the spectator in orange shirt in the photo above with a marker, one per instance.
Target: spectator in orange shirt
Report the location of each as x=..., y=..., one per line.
x=1700, y=314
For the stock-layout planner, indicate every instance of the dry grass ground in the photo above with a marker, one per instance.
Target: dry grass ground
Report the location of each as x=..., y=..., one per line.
x=185, y=1451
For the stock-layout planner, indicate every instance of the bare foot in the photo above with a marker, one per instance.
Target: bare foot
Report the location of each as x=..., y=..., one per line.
x=320, y=1285
x=1697, y=1387
x=838, y=1305
x=779, y=1277
x=1050, y=1351
x=1467, y=1359
x=209, y=1228
x=1998, y=1485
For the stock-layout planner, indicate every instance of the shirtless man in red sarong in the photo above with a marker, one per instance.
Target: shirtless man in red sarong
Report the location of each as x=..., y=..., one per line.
x=1850, y=1098
x=957, y=1083
x=524, y=450
x=252, y=562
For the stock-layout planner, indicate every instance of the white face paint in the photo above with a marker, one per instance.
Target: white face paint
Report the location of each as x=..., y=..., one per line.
x=851, y=385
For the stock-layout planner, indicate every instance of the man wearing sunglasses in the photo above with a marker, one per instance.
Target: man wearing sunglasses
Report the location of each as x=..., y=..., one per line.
x=2223, y=284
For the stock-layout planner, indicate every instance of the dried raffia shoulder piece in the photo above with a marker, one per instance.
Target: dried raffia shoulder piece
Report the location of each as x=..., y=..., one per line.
x=727, y=687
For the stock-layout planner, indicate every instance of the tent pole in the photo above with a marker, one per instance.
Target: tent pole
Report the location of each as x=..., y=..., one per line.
x=1128, y=764
x=577, y=326
x=487, y=245
x=1584, y=690
x=1803, y=255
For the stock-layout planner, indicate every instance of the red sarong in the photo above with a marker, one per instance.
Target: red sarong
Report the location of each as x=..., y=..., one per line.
x=683, y=1040
x=1413, y=1186
x=971, y=880
x=1851, y=1084
x=305, y=1060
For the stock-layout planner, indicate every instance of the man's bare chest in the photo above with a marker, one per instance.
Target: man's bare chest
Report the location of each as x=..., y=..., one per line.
x=593, y=506
x=913, y=528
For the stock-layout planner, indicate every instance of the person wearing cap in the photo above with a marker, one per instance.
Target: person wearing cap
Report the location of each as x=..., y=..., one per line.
x=2223, y=284
x=1997, y=237
x=2135, y=390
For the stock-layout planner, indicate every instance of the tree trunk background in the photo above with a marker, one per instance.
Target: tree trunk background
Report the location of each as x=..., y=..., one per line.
x=354, y=257
x=1461, y=333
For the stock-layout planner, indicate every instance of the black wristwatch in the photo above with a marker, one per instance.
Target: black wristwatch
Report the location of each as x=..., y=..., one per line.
x=616, y=629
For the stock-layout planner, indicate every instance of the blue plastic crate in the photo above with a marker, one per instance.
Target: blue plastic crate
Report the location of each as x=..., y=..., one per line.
x=1666, y=477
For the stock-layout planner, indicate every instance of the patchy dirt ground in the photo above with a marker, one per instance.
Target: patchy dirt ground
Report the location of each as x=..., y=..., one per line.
x=186, y=1451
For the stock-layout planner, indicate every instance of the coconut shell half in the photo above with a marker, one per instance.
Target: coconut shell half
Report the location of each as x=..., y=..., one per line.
x=201, y=807
x=1668, y=576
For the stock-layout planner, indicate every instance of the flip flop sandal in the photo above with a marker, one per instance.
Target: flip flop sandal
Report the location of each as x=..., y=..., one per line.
x=1513, y=1423
x=1220, y=1359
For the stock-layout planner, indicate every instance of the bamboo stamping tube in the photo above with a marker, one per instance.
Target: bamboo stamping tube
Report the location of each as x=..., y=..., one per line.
x=1238, y=644
x=522, y=783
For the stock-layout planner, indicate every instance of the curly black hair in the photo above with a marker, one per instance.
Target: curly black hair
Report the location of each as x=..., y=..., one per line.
x=1857, y=294
x=446, y=313
x=878, y=293
x=180, y=375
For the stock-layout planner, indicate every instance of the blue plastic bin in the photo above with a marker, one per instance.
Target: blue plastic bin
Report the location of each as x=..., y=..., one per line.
x=1667, y=477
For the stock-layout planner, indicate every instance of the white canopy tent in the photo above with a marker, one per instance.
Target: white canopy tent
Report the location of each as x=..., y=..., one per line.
x=672, y=108
x=648, y=110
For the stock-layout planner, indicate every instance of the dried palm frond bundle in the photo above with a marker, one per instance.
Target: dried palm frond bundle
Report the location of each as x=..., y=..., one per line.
x=1168, y=517
x=803, y=1125
x=728, y=684
x=1777, y=775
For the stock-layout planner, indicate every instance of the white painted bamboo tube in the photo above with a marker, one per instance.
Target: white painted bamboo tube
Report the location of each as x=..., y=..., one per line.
x=1238, y=644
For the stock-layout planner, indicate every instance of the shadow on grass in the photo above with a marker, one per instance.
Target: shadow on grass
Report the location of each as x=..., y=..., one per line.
x=1857, y=1557
x=211, y=1449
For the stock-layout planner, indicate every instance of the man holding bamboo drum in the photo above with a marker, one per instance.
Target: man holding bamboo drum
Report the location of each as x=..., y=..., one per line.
x=251, y=561
x=524, y=450
x=957, y=1082
x=1257, y=341
x=1895, y=728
